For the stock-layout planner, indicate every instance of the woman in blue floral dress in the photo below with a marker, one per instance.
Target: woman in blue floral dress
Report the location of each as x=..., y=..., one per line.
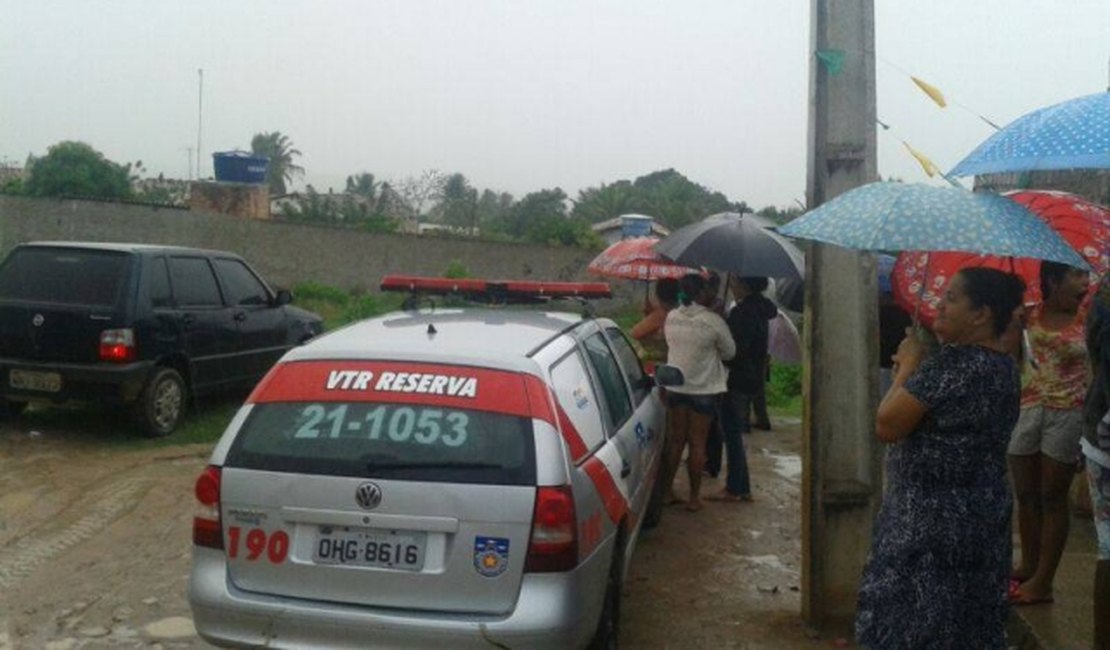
x=940, y=559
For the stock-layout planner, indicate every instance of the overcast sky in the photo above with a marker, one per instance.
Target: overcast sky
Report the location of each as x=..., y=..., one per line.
x=521, y=95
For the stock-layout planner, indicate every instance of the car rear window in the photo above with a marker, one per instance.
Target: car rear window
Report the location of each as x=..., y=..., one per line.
x=64, y=276
x=401, y=441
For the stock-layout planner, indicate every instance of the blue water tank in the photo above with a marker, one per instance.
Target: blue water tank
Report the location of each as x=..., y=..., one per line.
x=240, y=167
x=635, y=225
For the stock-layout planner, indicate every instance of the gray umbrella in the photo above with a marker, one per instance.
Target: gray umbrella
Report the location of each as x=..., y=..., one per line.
x=740, y=244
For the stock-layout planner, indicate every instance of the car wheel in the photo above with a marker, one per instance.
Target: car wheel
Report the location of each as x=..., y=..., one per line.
x=9, y=410
x=653, y=514
x=162, y=403
x=608, y=628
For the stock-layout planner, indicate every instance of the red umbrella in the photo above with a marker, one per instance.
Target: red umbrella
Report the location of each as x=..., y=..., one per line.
x=635, y=259
x=920, y=277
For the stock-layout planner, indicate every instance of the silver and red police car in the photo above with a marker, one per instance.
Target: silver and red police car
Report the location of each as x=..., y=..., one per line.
x=434, y=478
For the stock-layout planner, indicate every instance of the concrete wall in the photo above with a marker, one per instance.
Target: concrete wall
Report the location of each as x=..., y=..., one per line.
x=289, y=253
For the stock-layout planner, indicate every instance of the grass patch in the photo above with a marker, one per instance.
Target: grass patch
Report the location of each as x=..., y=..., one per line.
x=115, y=427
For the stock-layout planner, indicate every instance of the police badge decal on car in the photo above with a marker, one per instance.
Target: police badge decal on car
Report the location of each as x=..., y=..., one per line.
x=491, y=555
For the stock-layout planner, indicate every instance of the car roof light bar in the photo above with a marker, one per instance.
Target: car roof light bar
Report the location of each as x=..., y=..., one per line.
x=496, y=291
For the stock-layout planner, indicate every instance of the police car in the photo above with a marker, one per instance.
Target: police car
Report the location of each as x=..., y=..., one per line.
x=434, y=478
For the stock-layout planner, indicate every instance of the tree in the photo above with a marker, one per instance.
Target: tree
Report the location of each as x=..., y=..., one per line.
x=279, y=149
x=493, y=210
x=676, y=200
x=76, y=169
x=416, y=190
x=605, y=202
x=541, y=217
x=362, y=184
x=458, y=204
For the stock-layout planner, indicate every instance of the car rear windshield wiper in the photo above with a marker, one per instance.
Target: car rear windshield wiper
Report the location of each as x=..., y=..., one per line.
x=433, y=465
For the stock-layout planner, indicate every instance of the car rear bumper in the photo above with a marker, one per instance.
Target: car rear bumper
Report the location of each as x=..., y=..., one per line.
x=553, y=610
x=89, y=382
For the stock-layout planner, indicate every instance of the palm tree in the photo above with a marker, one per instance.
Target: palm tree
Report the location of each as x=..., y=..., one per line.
x=597, y=204
x=279, y=149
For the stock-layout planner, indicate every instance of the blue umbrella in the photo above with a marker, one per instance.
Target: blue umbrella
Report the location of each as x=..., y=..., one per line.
x=1070, y=135
x=900, y=216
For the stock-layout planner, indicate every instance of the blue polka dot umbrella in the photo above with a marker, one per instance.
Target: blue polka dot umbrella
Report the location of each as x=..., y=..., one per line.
x=901, y=216
x=1070, y=135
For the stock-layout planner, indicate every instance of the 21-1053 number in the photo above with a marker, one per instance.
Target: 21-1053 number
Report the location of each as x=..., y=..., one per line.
x=398, y=423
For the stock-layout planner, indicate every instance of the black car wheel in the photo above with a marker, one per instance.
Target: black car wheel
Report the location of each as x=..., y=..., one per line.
x=608, y=628
x=162, y=403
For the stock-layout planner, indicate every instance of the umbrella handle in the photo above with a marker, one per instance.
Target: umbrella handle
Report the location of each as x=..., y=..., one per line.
x=1027, y=349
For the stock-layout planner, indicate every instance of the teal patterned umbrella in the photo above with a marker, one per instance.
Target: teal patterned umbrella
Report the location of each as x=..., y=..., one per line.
x=902, y=216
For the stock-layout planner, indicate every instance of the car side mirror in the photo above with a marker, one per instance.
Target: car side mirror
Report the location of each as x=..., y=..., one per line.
x=668, y=376
x=283, y=297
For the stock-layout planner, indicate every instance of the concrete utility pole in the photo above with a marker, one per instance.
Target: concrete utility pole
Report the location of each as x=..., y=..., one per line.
x=842, y=481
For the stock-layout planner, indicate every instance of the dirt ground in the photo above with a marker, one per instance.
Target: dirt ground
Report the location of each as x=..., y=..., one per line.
x=95, y=545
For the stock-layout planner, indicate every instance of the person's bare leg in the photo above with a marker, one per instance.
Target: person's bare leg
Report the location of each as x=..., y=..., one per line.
x=1026, y=474
x=698, y=436
x=677, y=428
x=1056, y=478
x=1102, y=606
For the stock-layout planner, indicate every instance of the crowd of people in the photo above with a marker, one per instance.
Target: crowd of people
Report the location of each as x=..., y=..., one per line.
x=722, y=350
x=1010, y=406
x=1001, y=404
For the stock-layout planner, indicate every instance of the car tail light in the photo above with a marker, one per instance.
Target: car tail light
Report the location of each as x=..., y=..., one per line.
x=207, y=530
x=117, y=346
x=554, y=545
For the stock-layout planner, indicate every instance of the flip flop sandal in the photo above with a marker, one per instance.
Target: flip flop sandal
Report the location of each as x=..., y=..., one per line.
x=1019, y=599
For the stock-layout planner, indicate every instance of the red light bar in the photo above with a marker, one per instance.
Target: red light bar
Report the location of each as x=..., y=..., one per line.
x=417, y=284
x=494, y=288
x=560, y=289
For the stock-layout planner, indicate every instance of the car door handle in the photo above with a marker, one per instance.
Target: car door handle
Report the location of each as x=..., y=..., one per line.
x=626, y=469
x=240, y=316
x=187, y=320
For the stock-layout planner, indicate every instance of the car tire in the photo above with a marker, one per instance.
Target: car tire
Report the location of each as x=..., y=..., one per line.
x=10, y=410
x=161, y=406
x=653, y=513
x=607, y=634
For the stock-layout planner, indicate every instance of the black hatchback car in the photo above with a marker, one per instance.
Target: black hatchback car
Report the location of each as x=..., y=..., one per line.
x=142, y=326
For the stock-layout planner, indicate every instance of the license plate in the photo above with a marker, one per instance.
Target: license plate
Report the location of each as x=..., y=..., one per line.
x=370, y=547
x=47, y=382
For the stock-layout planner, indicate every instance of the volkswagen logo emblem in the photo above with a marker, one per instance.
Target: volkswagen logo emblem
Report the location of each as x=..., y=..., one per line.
x=368, y=496
x=38, y=320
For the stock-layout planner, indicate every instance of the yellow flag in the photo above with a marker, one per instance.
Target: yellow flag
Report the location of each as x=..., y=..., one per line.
x=930, y=168
x=932, y=91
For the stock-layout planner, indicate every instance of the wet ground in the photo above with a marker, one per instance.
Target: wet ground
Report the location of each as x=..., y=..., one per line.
x=95, y=544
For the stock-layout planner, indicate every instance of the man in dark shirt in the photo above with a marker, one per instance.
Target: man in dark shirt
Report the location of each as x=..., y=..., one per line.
x=749, y=323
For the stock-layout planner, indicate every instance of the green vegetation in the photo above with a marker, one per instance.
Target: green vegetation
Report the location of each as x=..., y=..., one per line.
x=338, y=307
x=455, y=270
x=784, y=391
x=76, y=169
x=280, y=150
x=667, y=195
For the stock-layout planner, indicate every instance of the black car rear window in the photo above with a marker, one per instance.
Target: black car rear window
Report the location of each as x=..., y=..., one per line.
x=64, y=275
x=385, y=440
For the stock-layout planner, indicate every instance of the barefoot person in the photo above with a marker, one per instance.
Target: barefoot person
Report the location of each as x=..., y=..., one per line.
x=1044, y=448
x=697, y=342
x=940, y=556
